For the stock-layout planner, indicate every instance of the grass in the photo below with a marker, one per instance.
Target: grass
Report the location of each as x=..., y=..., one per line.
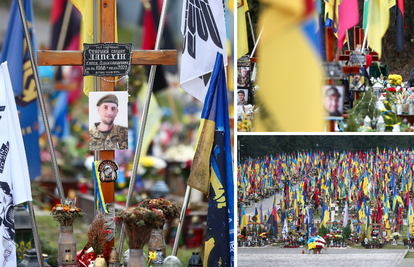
x=385, y=247
x=49, y=232
x=409, y=255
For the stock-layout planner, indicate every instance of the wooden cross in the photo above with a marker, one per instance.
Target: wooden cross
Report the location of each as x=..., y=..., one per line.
x=75, y=58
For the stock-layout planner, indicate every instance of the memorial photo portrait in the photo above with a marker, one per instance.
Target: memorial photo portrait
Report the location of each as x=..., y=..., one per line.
x=357, y=81
x=243, y=77
x=108, y=120
x=333, y=100
x=242, y=96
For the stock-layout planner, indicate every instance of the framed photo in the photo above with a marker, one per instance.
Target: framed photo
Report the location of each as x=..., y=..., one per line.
x=357, y=81
x=243, y=76
x=333, y=100
x=108, y=120
x=242, y=96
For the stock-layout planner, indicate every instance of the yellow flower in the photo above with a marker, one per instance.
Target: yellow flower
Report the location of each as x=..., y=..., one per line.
x=152, y=255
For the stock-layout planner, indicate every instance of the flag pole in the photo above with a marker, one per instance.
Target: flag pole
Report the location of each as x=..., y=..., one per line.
x=41, y=102
x=258, y=39
x=182, y=218
x=95, y=78
x=143, y=121
x=365, y=38
x=35, y=232
x=251, y=26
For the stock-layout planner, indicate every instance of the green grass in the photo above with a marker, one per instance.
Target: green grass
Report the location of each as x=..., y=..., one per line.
x=385, y=247
x=49, y=232
x=409, y=255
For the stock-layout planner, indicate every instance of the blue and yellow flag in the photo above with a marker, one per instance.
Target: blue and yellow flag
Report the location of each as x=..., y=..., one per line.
x=16, y=54
x=211, y=171
x=243, y=218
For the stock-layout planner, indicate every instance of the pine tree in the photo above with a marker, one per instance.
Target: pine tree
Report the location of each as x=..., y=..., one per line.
x=366, y=106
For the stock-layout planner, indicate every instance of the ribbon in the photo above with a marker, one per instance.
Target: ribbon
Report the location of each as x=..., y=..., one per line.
x=99, y=198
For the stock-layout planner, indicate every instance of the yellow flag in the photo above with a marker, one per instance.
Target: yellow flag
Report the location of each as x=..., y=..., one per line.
x=378, y=21
x=242, y=44
x=85, y=7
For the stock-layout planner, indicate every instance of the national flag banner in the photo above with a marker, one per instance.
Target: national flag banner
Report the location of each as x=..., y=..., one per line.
x=348, y=19
x=211, y=170
x=14, y=173
x=242, y=44
x=204, y=35
x=280, y=51
x=243, y=218
x=15, y=52
x=378, y=21
x=399, y=22
x=273, y=222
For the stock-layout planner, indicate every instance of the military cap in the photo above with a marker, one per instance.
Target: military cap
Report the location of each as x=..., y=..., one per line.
x=109, y=98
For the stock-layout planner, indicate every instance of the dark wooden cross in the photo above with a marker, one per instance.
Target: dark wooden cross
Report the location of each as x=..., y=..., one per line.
x=75, y=58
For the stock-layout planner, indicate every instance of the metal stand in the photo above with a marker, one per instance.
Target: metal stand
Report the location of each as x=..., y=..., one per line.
x=143, y=121
x=182, y=217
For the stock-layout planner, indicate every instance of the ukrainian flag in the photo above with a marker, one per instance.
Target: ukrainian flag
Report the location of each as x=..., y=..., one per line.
x=243, y=218
x=211, y=171
x=288, y=38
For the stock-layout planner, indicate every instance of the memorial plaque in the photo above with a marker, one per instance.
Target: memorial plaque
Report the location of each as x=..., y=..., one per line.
x=358, y=58
x=333, y=70
x=107, y=59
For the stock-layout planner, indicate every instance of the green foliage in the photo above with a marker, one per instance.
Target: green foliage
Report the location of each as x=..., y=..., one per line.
x=322, y=231
x=405, y=240
x=363, y=236
x=362, y=108
x=270, y=231
x=243, y=232
x=346, y=231
x=260, y=230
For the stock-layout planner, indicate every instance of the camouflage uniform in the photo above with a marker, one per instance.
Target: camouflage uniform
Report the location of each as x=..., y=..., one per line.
x=116, y=139
x=243, y=81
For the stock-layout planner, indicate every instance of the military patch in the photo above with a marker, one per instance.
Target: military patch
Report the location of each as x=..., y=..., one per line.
x=108, y=171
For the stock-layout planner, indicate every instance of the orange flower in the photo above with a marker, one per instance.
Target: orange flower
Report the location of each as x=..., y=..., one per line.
x=78, y=209
x=66, y=208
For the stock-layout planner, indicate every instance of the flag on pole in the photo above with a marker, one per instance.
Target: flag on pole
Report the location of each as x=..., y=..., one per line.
x=329, y=13
x=399, y=22
x=345, y=215
x=204, y=30
x=242, y=44
x=243, y=218
x=280, y=50
x=348, y=19
x=15, y=52
x=378, y=20
x=273, y=222
x=85, y=7
x=211, y=171
x=14, y=174
x=366, y=12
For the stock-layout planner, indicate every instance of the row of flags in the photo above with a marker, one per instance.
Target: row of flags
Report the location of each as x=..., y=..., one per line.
x=356, y=178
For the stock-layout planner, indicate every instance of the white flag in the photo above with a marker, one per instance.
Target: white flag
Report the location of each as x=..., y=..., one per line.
x=204, y=34
x=285, y=229
x=14, y=173
x=345, y=215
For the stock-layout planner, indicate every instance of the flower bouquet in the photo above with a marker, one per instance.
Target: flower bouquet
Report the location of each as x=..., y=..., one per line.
x=139, y=222
x=395, y=80
x=65, y=215
x=169, y=209
x=97, y=234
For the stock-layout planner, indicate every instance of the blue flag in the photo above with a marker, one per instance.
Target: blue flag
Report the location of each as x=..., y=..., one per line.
x=211, y=171
x=16, y=54
x=60, y=111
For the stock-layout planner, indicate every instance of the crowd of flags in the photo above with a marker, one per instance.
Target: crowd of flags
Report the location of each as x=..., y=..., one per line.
x=377, y=176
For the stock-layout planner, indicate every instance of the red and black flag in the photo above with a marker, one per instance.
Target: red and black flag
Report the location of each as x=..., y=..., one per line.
x=150, y=20
x=273, y=221
x=69, y=34
x=399, y=22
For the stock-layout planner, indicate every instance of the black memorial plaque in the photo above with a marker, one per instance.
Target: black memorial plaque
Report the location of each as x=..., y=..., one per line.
x=107, y=59
x=333, y=70
x=358, y=58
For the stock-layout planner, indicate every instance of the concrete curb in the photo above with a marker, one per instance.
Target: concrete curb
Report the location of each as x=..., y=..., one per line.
x=401, y=258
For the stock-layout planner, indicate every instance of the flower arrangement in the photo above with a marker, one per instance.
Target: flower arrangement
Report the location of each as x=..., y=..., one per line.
x=67, y=213
x=97, y=234
x=264, y=235
x=395, y=79
x=316, y=242
x=139, y=222
x=245, y=125
x=395, y=235
x=151, y=257
x=169, y=209
x=240, y=237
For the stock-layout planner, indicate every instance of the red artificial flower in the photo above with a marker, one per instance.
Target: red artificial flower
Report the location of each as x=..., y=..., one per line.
x=108, y=231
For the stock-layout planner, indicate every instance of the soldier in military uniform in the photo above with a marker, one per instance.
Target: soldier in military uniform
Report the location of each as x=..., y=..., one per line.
x=243, y=78
x=105, y=135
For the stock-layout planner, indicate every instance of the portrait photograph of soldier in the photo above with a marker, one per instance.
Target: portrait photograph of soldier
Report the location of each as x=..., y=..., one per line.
x=242, y=96
x=108, y=120
x=243, y=77
x=333, y=100
x=356, y=81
